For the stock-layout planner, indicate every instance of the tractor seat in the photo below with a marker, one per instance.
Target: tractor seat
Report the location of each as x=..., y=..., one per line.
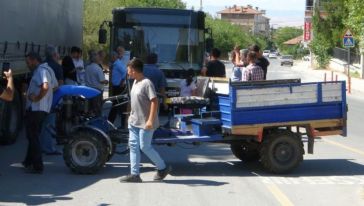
x=197, y=101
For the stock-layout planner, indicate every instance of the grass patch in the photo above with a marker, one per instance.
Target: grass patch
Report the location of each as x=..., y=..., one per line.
x=355, y=74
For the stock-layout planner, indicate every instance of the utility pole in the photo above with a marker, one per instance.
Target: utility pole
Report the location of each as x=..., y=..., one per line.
x=362, y=62
x=316, y=4
x=201, y=5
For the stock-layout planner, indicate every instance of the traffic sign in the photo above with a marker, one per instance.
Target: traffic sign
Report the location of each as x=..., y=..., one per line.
x=348, y=33
x=348, y=39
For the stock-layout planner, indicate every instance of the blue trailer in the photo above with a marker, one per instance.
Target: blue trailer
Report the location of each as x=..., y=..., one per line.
x=263, y=121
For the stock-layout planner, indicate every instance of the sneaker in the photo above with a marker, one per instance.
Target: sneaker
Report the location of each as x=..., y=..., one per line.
x=131, y=178
x=161, y=174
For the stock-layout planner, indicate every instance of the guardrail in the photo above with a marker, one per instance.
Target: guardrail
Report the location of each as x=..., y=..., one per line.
x=342, y=54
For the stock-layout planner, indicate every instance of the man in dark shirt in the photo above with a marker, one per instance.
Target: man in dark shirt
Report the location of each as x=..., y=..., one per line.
x=156, y=76
x=47, y=140
x=215, y=68
x=52, y=58
x=261, y=60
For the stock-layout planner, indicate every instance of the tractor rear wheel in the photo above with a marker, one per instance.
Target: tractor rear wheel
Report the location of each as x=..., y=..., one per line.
x=85, y=153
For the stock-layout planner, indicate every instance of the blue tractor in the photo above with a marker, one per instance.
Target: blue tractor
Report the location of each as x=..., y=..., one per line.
x=263, y=121
x=89, y=138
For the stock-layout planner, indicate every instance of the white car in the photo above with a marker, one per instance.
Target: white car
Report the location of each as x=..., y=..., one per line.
x=266, y=53
x=273, y=55
x=287, y=60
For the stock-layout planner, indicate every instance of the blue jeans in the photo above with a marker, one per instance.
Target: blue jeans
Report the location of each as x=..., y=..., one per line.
x=47, y=141
x=141, y=139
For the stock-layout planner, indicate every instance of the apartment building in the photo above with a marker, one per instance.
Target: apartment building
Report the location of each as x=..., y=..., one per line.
x=248, y=18
x=309, y=11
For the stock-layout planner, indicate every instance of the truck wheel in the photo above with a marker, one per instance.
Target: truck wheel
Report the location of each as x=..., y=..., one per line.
x=282, y=151
x=85, y=153
x=11, y=119
x=245, y=152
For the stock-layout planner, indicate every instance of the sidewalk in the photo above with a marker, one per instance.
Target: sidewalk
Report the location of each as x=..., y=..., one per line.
x=357, y=85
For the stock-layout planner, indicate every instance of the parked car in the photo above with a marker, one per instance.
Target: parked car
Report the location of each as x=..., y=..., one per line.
x=266, y=53
x=273, y=55
x=287, y=60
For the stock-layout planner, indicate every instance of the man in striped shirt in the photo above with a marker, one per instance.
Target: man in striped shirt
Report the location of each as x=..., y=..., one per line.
x=253, y=72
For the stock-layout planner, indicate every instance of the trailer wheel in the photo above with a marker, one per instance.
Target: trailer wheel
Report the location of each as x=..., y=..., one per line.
x=85, y=153
x=11, y=119
x=111, y=153
x=245, y=152
x=282, y=151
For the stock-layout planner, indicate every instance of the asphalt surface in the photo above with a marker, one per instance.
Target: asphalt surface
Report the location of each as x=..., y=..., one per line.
x=202, y=175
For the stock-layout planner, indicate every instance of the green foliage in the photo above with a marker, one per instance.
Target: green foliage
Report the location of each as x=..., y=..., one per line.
x=297, y=51
x=355, y=19
x=97, y=11
x=333, y=25
x=341, y=15
x=320, y=46
x=284, y=34
x=327, y=32
x=227, y=35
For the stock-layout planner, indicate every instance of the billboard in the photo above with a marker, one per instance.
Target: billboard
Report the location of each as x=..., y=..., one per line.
x=307, y=30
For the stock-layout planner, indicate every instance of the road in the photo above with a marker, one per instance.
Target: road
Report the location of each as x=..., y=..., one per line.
x=204, y=175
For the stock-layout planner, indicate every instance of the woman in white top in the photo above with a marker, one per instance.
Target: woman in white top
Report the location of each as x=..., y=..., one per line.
x=188, y=88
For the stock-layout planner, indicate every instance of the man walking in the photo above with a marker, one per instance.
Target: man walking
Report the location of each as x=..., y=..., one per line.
x=143, y=121
x=39, y=101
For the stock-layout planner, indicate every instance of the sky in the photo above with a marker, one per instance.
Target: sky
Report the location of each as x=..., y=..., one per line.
x=281, y=12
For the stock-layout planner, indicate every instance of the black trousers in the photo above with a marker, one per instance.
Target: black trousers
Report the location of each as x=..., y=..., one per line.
x=34, y=121
x=117, y=90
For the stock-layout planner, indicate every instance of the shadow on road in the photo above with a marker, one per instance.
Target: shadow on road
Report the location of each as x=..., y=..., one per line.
x=195, y=183
x=57, y=183
x=315, y=168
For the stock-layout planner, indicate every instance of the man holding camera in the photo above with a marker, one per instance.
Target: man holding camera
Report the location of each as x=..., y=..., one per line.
x=7, y=93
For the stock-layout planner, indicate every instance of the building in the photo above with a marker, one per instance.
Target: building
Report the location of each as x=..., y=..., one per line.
x=295, y=41
x=250, y=19
x=309, y=11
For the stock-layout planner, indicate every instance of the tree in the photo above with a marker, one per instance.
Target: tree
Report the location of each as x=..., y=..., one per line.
x=227, y=35
x=355, y=19
x=284, y=34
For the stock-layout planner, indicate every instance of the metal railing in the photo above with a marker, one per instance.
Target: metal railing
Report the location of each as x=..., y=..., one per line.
x=342, y=54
